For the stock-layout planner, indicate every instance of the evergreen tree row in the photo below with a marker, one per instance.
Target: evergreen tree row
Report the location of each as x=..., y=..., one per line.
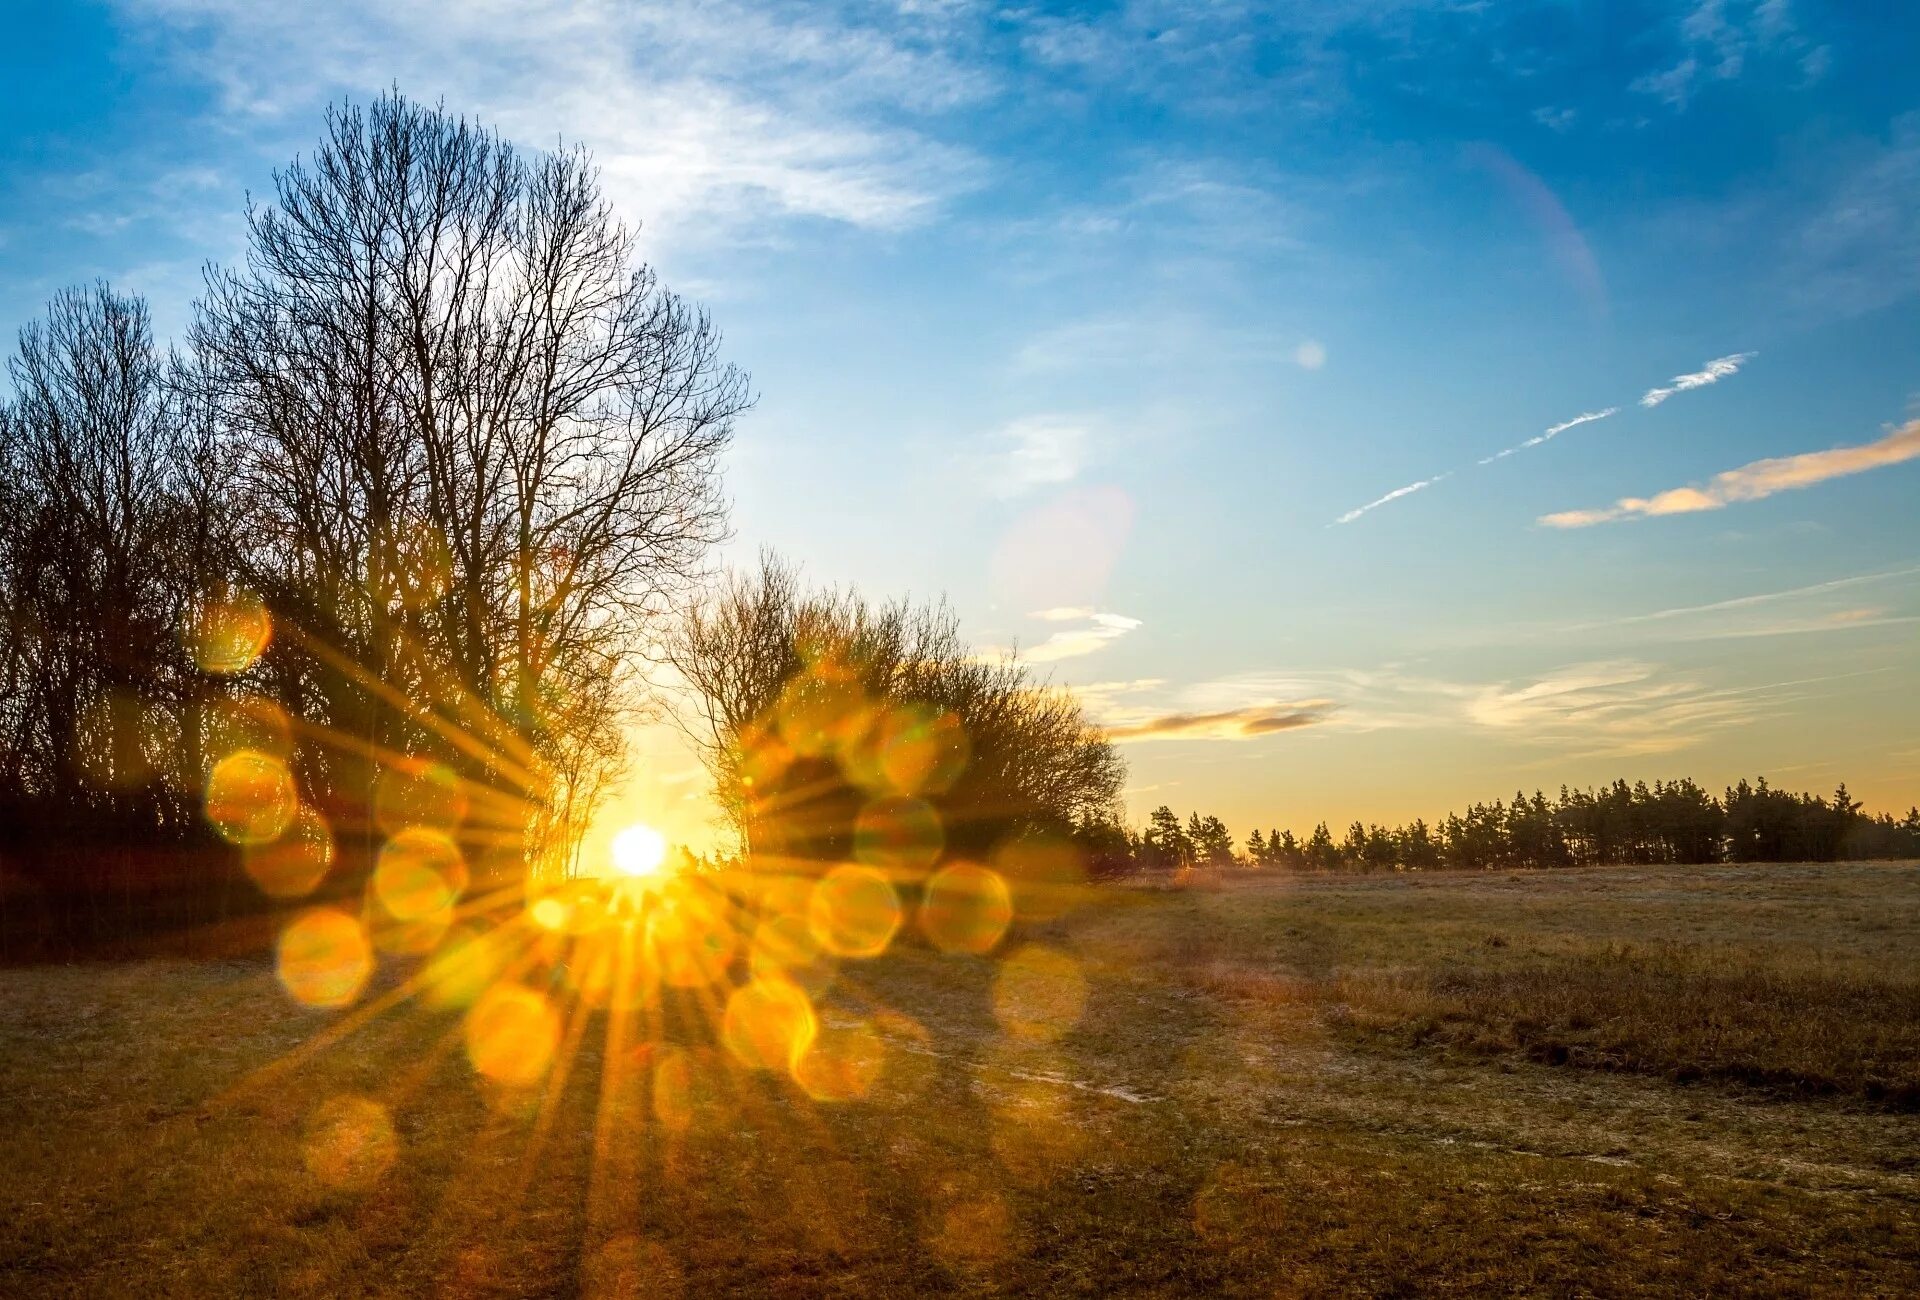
x=1667, y=822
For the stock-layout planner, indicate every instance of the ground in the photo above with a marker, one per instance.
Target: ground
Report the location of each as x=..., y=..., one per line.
x=1627, y=1081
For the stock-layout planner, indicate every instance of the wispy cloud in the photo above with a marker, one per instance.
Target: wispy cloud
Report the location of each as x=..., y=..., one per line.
x=1552, y=432
x=1621, y=707
x=1712, y=373
x=1611, y=706
x=1394, y=495
x=1100, y=630
x=1755, y=481
x=1035, y=451
x=1230, y=724
x=1736, y=603
x=706, y=117
x=1718, y=39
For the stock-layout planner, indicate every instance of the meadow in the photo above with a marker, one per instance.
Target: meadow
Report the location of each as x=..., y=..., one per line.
x=1606, y=1081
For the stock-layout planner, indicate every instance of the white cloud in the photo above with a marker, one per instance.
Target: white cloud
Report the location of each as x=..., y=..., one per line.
x=1035, y=451
x=1741, y=603
x=706, y=118
x=1755, y=481
x=1672, y=87
x=1310, y=355
x=1610, y=707
x=1394, y=495
x=1712, y=373
x=1719, y=39
x=1101, y=631
x=1551, y=432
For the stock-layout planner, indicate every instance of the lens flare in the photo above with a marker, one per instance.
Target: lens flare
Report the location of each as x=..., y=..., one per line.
x=295, y=864
x=464, y=966
x=921, y=749
x=1045, y=873
x=854, y=912
x=349, y=1142
x=218, y=727
x=769, y=1024
x=229, y=632
x=420, y=873
x=416, y=792
x=842, y=1064
x=512, y=1033
x=966, y=908
x=784, y=946
x=822, y=711
x=900, y=833
x=639, y=851
x=1039, y=993
x=690, y=938
x=250, y=797
x=673, y=1090
x=324, y=958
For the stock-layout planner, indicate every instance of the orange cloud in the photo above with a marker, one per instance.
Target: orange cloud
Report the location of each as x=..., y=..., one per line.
x=1229, y=724
x=1752, y=482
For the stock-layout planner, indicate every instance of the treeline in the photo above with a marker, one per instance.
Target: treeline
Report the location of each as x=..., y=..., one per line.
x=1617, y=824
x=389, y=528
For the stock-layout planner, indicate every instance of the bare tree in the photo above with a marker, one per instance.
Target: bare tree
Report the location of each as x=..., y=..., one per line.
x=97, y=562
x=810, y=706
x=480, y=443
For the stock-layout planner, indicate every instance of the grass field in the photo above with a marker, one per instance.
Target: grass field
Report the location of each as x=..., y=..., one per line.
x=1613, y=1082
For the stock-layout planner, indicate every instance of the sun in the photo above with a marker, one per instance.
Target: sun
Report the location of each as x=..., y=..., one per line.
x=639, y=850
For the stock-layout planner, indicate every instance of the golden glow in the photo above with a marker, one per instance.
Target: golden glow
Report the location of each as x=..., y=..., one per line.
x=418, y=793
x=250, y=797
x=229, y=632
x=639, y=850
x=690, y=938
x=295, y=864
x=673, y=1089
x=1039, y=993
x=921, y=750
x=784, y=946
x=512, y=1033
x=324, y=958
x=900, y=833
x=769, y=1024
x=420, y=873
x=854, y=912
x=349, y=1142
x=464, y=966
x=842, y=1063
x=965, y=908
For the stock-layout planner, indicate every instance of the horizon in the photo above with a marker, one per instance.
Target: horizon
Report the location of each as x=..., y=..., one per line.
x=1366, y=412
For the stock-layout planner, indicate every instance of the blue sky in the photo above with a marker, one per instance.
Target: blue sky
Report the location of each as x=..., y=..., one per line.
x=1099, y=317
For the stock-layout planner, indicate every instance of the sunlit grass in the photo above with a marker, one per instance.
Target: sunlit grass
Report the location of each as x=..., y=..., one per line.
x=1156, y=1092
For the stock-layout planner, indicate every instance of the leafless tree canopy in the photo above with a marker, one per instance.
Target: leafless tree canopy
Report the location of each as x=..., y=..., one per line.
x=790, y=694
x=480, y=442
x=443, y=422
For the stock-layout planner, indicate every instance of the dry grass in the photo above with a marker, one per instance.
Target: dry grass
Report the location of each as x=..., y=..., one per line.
x=1660, y=1010
x=1265, y=1095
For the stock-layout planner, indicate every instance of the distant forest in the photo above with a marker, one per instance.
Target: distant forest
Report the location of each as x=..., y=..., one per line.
x=1617, y=824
